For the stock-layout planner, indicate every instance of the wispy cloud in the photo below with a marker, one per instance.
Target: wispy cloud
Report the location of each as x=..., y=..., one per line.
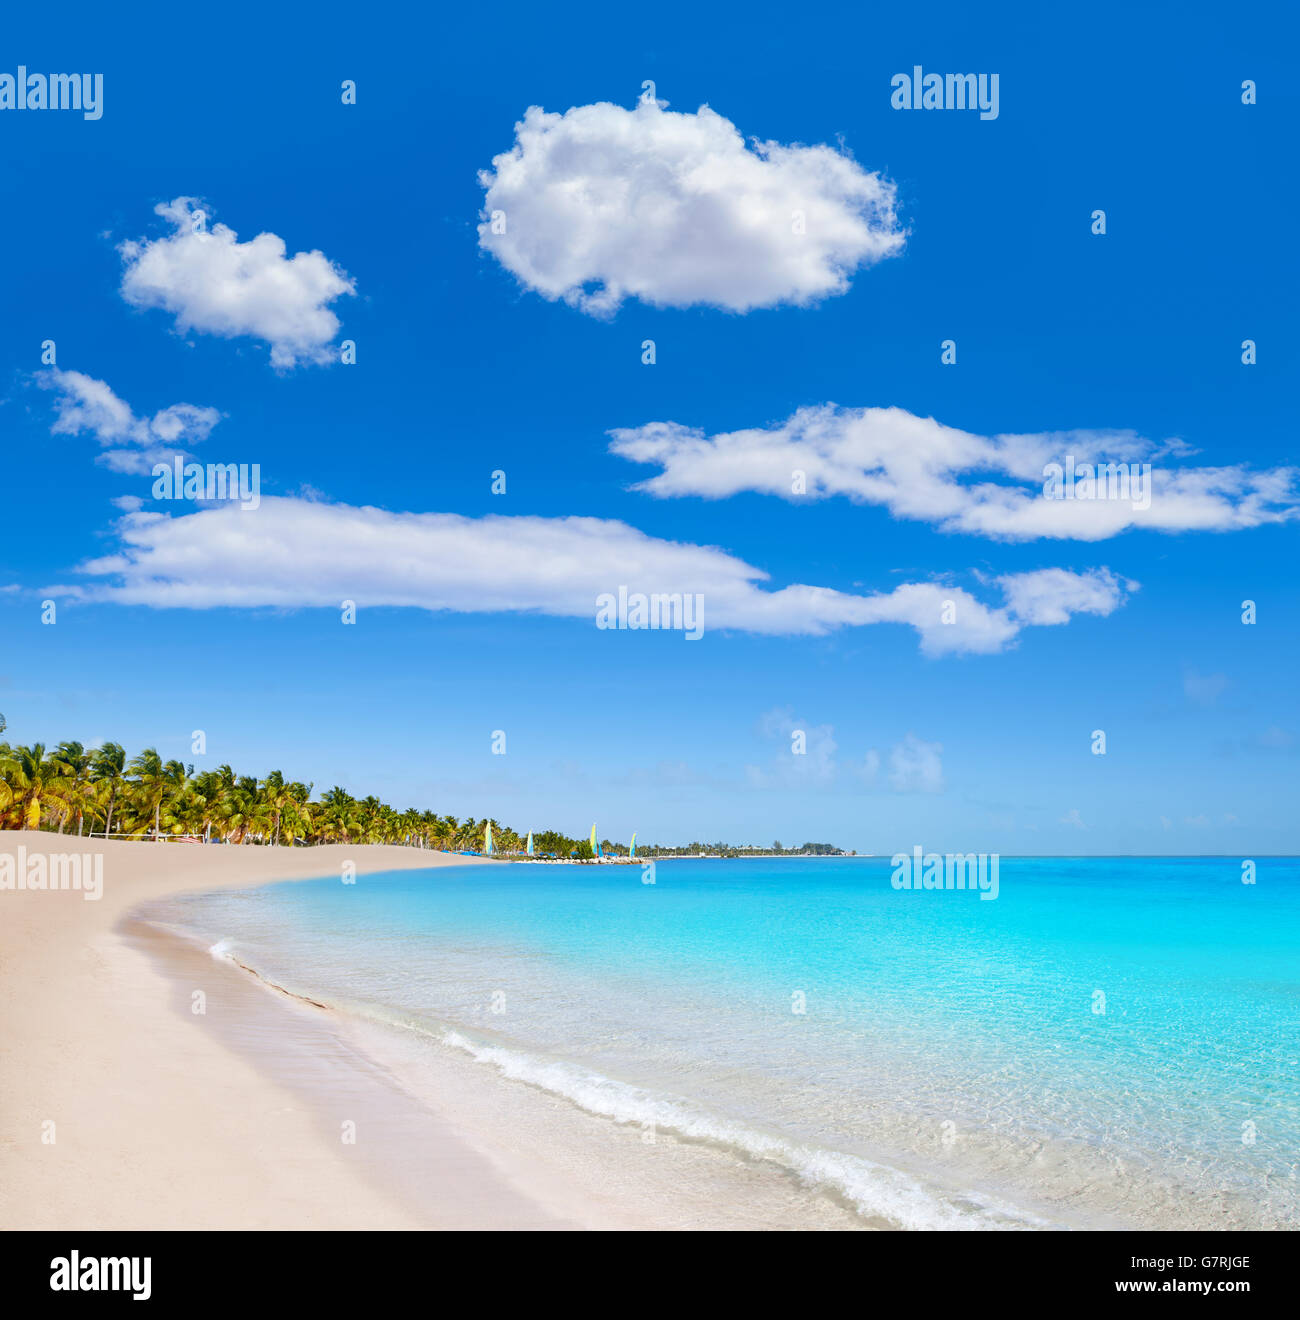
x=806, y=753
x=920, y=470
x=808, y=756
x=916, y=766
x=303, y=553
x=84, y=405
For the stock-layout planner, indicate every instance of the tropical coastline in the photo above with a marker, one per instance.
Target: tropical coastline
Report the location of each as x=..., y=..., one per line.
x=348, y=1066
x=164, y=1118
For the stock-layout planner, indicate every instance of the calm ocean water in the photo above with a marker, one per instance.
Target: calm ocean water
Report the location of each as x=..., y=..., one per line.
x=1111, y=1042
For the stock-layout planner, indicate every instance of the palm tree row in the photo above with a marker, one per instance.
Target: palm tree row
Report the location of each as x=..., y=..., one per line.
x=78, y=790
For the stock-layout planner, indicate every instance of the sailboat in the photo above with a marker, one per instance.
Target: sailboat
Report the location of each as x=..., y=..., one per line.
x=529, y=848
x=595, y=844
x=631, y=852
x=487, y=840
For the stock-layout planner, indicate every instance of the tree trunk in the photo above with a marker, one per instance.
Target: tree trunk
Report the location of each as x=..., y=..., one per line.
x=108, y=820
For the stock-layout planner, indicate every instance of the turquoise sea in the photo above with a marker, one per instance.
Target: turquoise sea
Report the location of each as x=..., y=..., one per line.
x=1109, y=1042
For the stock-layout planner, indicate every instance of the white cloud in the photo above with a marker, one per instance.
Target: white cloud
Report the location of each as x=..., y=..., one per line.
x=131, y=444
x=916, y=766
x=603, y=204
x=1072, y=817
x=295, y=552
x=219, y=286
x=923, y=471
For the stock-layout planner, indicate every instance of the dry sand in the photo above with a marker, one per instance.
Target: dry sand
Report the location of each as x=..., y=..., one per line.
x=158, y=1122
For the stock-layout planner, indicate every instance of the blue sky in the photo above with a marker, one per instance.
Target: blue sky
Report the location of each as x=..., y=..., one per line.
x=915, y=735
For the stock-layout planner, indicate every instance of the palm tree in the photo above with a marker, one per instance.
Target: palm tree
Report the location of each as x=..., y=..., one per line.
x=282, y=801
x=370, y=812
x=32, y=775
x=448, y=827
x=7, y=772
x=338, y=815
x=468, y=833
x=107, y=768
x=222, y=789
x=213, y=790
x=241, y=808
x=299, y=817
x=148, y=785
x=154, y=783
x=205, y=790
x=76, y=762
x=6, y=791
x=428, y=829
x=407, y=823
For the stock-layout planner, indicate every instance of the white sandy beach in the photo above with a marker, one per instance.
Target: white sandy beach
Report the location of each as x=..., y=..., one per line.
x=164, y=1118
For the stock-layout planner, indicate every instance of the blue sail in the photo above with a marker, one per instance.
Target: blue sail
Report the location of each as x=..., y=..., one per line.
x=529, y=849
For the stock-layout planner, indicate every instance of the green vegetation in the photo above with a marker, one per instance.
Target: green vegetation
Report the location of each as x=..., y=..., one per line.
x=78, y=790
